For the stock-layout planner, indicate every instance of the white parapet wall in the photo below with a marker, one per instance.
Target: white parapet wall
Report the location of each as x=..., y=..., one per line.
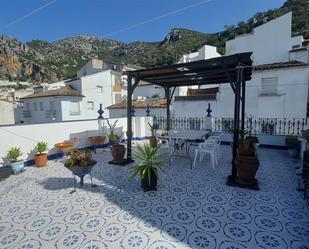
x=26, y=136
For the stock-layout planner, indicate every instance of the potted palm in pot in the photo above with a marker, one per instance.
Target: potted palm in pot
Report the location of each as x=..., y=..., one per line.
x=17, y=165
x=247, y=162
x=118, y=150
x=150, y=161
x=293, y=145
x=40, y=158
x=153, y=129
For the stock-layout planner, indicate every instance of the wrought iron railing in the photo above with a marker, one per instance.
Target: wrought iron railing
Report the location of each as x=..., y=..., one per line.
x=272, y=126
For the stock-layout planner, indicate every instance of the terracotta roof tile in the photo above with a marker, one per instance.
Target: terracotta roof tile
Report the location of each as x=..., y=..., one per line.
x=62, y=91
x=279, y=65
x=153, y=103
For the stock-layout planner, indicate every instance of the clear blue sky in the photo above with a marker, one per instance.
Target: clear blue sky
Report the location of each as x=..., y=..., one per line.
x=102, y=17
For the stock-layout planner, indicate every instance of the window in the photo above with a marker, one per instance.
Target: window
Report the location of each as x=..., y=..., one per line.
x=41, y=106
x=51, y=105
x=90, y=105
x=270, y=86
x=28, y=106
x=74, y=108
x=35, y=106
x=99, y=89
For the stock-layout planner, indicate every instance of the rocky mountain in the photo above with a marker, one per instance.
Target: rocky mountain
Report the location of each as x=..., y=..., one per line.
x=40, y=61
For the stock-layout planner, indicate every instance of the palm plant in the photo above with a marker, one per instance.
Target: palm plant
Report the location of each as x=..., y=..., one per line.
x=14, y=153
x=40, y=147
x=153, y=129
x=151, y=161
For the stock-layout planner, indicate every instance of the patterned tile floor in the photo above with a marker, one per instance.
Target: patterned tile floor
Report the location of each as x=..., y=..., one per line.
x=191, y=209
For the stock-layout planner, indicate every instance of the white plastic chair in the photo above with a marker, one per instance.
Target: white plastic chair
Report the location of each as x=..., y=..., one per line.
x=211, y=146
x=208, y=147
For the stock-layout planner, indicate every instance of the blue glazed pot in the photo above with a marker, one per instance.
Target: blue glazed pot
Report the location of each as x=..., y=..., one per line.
x=17, y=167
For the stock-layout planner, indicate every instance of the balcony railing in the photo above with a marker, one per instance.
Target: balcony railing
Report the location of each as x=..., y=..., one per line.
x=271, y=126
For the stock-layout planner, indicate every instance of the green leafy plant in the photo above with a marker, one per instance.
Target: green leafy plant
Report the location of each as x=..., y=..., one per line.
x=153, y=129
x=79, y=158
x=151, y=161
x=40, y=147
x=112, y=136
x=242, y=133
x=14, y=153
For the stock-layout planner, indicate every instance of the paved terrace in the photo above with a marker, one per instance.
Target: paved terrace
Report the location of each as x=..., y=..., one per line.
x=191, y=209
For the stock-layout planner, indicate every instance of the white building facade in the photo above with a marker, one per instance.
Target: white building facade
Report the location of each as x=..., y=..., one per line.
x=79, y=99
x=280, y=79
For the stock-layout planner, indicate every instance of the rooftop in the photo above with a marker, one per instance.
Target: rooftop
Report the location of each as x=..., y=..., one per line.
x=62, y=91
x=278, y=65
x=191, y=209
x=152, y=103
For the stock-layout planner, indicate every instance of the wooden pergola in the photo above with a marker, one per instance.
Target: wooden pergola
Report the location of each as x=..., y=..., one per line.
x=233, y=69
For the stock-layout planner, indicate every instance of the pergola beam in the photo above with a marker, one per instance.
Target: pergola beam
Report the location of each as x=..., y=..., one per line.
x=233, y=69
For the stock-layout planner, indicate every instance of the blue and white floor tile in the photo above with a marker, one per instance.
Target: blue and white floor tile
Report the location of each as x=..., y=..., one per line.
x=191, y=209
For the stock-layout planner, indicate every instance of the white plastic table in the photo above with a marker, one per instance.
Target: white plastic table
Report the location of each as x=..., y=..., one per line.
x=182, y=141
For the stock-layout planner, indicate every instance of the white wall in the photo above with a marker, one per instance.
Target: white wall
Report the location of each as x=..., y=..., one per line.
x=292, y=103
x=300, y=55
x=92, y=66
x=39, y=116
x=188, y=108
x=148, y=91
x=6, y=112
x=26, y=136
x=88, y=86
x=269, y=42
x=204, y=53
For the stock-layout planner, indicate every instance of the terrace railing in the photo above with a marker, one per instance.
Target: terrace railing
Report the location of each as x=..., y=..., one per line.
x=271, y=126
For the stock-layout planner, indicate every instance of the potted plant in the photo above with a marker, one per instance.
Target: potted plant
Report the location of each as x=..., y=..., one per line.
x=147, y=169
x=293, y=145
x=153, y=129
x=112, y=137
x=17, y=165
x=80, y=162
x=246, y=162
x=40, y=158
x=118, y=150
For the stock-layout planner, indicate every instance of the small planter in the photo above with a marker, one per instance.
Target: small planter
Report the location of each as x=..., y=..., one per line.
x=246, y=169
x=97, y=140
x=17, y=167
x=118, y=152
x=153, y=142
x=153, y=182
x=81, y=171
x=40, y=160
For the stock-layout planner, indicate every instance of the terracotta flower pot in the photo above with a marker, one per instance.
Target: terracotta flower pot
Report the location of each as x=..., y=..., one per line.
x=153, y=141
x=64, y=146
x=40, y=160
x=246, y=169
x=118, y=152
x=96, y=140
